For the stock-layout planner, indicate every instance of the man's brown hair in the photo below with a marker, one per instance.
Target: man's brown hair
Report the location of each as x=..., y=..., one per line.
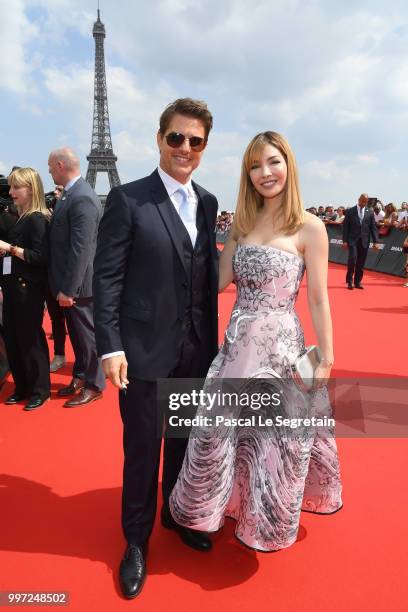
x=189, y=108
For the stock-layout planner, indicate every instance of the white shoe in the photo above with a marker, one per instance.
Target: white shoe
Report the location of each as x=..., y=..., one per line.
x=57, y=363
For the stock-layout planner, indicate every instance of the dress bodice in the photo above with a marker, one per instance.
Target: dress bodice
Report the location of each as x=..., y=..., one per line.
x=267, y=278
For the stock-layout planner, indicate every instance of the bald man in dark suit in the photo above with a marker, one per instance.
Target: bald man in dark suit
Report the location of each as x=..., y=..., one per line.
x=358, y=226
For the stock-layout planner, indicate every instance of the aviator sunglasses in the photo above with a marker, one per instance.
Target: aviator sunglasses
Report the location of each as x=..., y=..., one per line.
x=175, y=140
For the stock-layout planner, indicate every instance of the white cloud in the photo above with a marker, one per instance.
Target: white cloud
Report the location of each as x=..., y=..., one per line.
x=398, y=84
x=16, y=33
x=331, y=76
x=130, y=148
x=371, y=160
x=328, y=170
x=72, y=86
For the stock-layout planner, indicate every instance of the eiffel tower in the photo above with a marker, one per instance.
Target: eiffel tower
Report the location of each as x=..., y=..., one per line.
x=101, y=157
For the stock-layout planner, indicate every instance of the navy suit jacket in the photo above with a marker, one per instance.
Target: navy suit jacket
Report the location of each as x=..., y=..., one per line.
x=353, y=229
x=73, y=232
x=140, y=277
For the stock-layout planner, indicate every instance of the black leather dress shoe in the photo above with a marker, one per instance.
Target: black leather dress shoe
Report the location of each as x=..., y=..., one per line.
x=35, y=402
x=359, y=286
x=195, y=539
x=349, y=286
x=14, y=398
x=74, y=387
x=132, y=572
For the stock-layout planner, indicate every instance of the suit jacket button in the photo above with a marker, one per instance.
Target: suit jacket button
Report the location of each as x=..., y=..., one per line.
x=23, y=284
x=19, y=279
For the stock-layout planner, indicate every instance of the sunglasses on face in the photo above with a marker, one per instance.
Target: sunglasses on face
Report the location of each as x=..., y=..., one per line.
x=175, y=140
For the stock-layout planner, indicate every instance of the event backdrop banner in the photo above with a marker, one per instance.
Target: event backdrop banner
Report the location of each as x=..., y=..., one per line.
x=393, y=259
x=389, y=258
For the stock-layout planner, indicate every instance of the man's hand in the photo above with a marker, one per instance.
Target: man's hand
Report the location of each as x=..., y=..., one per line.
x=344, y=245
x=115, y=368
x=64, y=300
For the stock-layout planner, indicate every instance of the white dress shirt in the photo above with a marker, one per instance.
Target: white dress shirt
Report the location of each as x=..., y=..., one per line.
x=361, y=212
x=71, y=182
x=172, y=186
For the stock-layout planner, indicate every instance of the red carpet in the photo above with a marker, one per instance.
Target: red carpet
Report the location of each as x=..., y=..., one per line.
x=60, y=499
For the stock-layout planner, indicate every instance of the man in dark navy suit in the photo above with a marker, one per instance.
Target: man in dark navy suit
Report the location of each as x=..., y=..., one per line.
x=358, y=226
x=155, y=288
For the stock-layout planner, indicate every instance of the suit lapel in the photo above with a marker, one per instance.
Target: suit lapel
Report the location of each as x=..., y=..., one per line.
x=64, y=200
x=202, y=197
x=59, y=207
x=165, y=208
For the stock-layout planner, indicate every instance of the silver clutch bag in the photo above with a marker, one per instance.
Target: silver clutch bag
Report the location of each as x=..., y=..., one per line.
x=304, y=367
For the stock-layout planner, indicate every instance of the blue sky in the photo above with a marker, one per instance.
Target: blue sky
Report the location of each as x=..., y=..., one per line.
x=332, y=77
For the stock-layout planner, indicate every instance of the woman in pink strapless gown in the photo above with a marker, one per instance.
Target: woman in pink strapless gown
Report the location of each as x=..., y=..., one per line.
x=264, y=476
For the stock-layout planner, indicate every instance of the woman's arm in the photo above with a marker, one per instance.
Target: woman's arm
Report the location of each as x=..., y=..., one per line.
x=37, y=252
x=316, y=251
x=225, y=263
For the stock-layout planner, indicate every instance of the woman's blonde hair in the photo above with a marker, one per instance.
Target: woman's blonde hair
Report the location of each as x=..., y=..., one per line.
x=250, y=201
x=28, y=177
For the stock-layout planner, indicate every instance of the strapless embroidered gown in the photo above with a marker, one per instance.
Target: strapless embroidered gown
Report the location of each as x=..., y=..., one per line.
x=258, y=476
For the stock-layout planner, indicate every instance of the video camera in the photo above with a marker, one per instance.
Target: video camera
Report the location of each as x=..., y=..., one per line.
x=372, y=202
x=50, y=200
x=6, y=202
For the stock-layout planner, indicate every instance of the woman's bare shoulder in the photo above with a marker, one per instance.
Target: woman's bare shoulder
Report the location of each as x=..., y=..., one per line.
x=312, y=220
x=312, y=226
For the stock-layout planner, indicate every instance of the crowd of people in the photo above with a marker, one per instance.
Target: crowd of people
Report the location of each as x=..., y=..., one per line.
x=388, y=215
x=137, y=289
x=224, y=223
